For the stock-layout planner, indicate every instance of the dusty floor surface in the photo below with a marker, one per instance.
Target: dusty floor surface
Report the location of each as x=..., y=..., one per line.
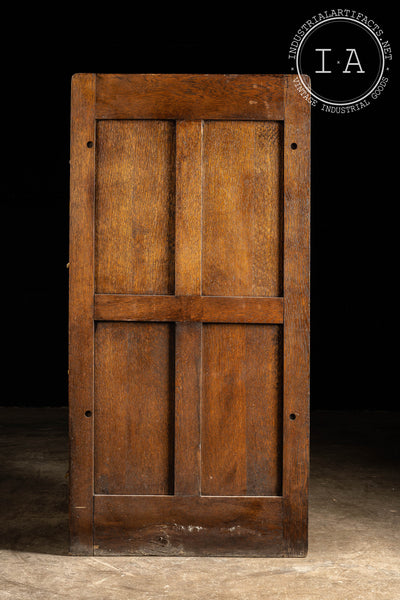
x=354, y=550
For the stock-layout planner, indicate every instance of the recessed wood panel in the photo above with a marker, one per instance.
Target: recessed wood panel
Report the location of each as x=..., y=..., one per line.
x=241, y=410
x=134, y=408
x=135, y=207
x=242, y=212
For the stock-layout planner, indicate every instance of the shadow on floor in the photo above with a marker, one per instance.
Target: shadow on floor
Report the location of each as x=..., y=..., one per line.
x=33, y=480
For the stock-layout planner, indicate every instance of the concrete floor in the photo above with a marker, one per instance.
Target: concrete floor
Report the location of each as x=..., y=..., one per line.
x=354, y=524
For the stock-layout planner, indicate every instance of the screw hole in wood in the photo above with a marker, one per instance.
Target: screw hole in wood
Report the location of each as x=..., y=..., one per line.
x=292, y=416
x=88, y=413
x=89, y=144
x=293, y=146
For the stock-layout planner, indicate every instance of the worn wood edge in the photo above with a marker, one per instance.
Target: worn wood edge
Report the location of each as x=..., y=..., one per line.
x=297, y=320
x=188, y=526
x=81, y=325
x=180, y=498
x=214, y=309
x=151, y=95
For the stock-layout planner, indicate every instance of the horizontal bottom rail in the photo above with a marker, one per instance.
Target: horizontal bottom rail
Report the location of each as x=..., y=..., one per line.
x=188, y=526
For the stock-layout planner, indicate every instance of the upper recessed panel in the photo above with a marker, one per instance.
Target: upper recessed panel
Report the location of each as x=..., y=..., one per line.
x=242, y=220
x=135, y=207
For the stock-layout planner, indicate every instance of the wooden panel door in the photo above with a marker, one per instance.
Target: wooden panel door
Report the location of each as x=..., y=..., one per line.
x=189, y=315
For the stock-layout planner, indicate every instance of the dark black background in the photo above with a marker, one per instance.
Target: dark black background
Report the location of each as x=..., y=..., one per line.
x=353, y=186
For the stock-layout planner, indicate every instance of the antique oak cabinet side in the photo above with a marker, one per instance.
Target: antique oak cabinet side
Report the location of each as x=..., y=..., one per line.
x=189, y=315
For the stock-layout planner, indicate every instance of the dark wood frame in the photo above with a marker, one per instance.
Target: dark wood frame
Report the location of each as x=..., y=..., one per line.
x=244, y=97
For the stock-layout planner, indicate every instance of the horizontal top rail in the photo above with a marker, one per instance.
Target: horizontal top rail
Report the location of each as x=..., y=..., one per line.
x=180, y=96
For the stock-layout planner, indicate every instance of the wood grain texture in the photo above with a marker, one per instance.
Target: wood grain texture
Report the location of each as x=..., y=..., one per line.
x=189, y=315
x=121, y=307
x=297, y=320
x=187, y=408
x=81, y=293
x=241, y=436
x=189, y=136
x=134, y=408
x=188, y=526
x=242, y=227
x=135, y=207
x=189, y=97
x=188, y=345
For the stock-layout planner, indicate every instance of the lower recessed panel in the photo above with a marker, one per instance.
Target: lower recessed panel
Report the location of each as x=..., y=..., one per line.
x=241, y=413
x=133, y=417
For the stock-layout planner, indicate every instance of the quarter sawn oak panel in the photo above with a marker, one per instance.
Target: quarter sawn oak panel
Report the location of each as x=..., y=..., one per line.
x=135, y=207
x=242, y=216
x=242, y=410
x=134, y=408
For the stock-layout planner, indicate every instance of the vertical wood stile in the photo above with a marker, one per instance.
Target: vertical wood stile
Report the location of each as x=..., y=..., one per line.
x=188, y=340
x=81, y=306
x=296, y=320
